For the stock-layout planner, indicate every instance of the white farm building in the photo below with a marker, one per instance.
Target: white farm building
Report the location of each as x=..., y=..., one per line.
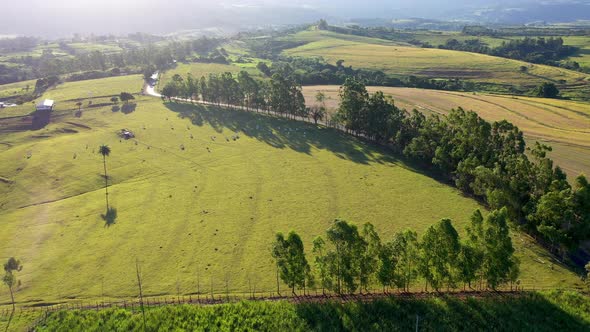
x=45, y=105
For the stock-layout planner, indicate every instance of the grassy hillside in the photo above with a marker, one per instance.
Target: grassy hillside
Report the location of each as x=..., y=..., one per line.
x=68, y=94
x=543, y=312
x=436, y=63
x=204, y=69
x=93, y=89
x=563, y=124
x=583, y=55
x=15, y=89
x=314, y=35
x=57, y=51
x=193, y=203
x=441, y=38
x=89, y=47
x=36, y=52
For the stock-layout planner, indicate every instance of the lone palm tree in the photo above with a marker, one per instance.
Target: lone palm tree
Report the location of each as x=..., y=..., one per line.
x=9, y=278
x=105, y=151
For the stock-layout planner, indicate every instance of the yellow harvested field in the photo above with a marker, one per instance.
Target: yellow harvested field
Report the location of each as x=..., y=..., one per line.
x=561, y=123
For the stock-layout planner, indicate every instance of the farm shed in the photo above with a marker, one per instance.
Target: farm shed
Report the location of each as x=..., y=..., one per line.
x=43, y=114
x=126, y=134
x=45, y=105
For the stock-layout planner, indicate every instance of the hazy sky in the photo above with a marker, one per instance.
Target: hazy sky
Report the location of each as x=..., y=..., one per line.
x=64, y=17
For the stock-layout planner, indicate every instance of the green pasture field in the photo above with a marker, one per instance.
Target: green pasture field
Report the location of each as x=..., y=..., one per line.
x=57, y=51
x=89, y=89
x=66, y=95
x=237, y=51
x=204, y=69
x=199, y=195
x=19, y=110
x=314, y=35
x=36, y=52
x=81, y=89
x=436, y=38
x=583, y=55
x=15, y=89
x=89, y=47
x=91, y=93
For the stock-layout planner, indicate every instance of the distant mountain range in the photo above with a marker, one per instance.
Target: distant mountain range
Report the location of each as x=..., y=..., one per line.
x=550, y=12
x=63, y=18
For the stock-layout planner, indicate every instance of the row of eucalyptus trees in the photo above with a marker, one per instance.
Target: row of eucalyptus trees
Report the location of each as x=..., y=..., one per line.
x=280, y=95
x=489, y=161
x=350, y=260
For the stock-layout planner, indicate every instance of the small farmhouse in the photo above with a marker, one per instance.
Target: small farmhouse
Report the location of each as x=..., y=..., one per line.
x=126, y=134
x=42, y=116
x=45, y=105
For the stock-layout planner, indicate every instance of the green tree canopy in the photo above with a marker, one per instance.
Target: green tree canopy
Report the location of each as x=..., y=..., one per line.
x=499, y=262
x=126, y=97
x=440, y=248
x=348, y=248
x=546, y=90
x=9, y=279
x=292, y=264
x=353, y=96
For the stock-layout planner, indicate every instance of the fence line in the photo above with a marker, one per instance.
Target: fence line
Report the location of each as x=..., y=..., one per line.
x=313, y=295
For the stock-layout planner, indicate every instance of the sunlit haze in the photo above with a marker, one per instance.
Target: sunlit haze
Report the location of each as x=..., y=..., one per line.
x=31, y=17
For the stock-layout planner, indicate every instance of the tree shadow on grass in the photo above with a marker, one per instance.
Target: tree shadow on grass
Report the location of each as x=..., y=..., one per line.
x=282, y=133
x=110, y=218
x=128, y=108
x=524, y=312
x=9, y=320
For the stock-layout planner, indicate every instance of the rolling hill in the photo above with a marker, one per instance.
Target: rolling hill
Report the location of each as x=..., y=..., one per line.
x=403, y=60
x=200, y=193
x=563, y=124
